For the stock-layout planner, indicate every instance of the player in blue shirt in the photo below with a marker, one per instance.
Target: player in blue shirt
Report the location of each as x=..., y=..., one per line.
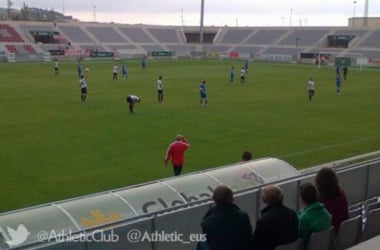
x=232, y=74
x=143, y=64
x=337, y=69
x=79, y=69
x=202, y=89
x=246, y=66
x=124, y=72
x=338, y=82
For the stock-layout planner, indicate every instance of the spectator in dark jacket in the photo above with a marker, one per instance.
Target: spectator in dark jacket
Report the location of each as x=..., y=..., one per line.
x=332, y=196
x=225, y=225
x=278, y=224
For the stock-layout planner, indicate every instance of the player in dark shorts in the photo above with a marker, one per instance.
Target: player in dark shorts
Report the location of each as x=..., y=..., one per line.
x=132, y=100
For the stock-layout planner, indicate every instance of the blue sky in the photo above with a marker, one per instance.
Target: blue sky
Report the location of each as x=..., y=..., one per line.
x=217, y=12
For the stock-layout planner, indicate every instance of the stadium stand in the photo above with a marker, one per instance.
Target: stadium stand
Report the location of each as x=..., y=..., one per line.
x=178, y=47
x=9, y=35
x=106, y=34
x=372, y=41
x=304, y=37
x=165, y=35
x=247, y=49
x=136, y=41
x=136, y=34
x=121, y=47
x=282, y=51
x=75, y=34
x=265, y=37
x=235, y=36
x=155, y=47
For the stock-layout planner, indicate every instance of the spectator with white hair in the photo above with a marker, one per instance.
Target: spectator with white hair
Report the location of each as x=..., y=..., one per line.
x=278, y=224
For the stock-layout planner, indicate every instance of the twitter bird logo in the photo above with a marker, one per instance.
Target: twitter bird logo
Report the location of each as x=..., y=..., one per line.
x=18, y=236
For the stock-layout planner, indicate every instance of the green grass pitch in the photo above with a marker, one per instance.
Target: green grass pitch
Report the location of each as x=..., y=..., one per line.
x=53, y=147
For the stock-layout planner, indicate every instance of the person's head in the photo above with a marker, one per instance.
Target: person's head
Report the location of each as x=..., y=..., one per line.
x=327, y=182
x=178, y=137
x=308, y=193
x=223, y=196
x=246, y=156
x=204, y=82
x=272, y=194
x=160, y=77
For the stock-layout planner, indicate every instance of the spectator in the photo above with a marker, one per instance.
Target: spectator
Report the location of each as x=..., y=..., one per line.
x=332, y=196
x=278, y=224
x=314, y=217
x=246, y=156
x=226, y=226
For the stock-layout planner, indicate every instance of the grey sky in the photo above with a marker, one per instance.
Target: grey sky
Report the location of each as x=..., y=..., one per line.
x=218, y=12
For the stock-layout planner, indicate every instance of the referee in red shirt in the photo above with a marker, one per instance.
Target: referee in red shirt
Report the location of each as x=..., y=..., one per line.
x=176, y=153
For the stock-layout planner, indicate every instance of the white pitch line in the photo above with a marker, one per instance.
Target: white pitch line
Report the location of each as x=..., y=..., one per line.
x=332, y=146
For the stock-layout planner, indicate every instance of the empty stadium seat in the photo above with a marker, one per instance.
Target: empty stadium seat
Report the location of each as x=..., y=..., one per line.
x=323, y=240
x=371, y=225
x=349, y=233
x=355, y=212
x=295, y=245
x=371, y=206
x=355, y=206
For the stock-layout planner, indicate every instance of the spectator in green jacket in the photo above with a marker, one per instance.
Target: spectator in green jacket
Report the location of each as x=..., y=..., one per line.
x=314, y=217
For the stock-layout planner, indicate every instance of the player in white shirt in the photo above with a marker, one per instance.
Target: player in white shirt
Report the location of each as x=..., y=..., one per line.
x=114, y=72
x=56, y=68
x=160, y=90
x=132, y=100
x=310, y=88
x=83, y=88
x=242, y=75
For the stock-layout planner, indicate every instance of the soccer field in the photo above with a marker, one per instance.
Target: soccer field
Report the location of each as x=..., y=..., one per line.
x=54, y=147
